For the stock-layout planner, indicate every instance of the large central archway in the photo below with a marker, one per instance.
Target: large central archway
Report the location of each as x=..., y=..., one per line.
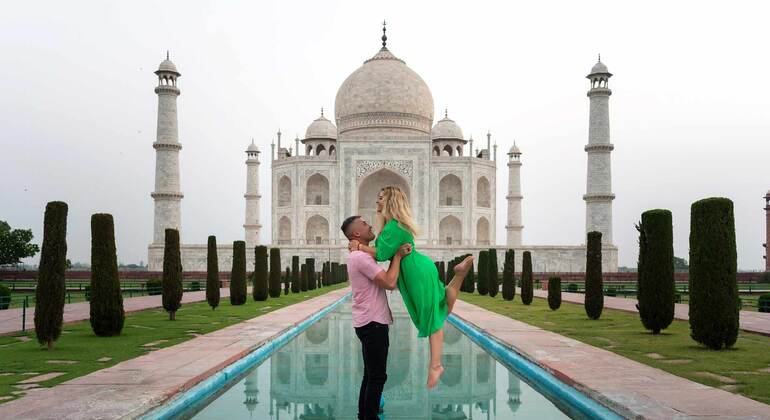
x=371, y=186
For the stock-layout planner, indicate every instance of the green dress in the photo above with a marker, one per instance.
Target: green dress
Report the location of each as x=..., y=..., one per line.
x=418, y=281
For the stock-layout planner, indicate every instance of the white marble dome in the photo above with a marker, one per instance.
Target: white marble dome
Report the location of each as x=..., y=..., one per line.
x=384, y=92
x=514, y=150
x=321, y=128
x=599, y=67
x=446, y=129
x=167, y=66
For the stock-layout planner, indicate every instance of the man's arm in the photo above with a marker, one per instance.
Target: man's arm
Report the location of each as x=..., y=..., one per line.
x=389, y=279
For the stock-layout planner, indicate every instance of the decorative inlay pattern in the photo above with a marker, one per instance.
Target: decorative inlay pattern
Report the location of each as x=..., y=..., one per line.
x=403, y=167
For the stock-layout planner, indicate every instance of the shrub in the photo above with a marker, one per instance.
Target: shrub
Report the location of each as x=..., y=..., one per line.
x=482, y=282
x=594, y=296
x=470, y=281
x=154, y=286
x=450, y=269
x=50, y=291
x=655, y=288
x=442, y=273
x=714, y=310
x=611, y=291
x=335, y=273
x=106, y=297
x=509, y=285
x=572, y=288
x=526, y=278
x=554, y=293
x=275, y=273
x=763, y=303
x=259, y=290
x=303, y=277
x=285, y=281
x=493, y=281
x=172, y=274
x=238, y=288
x=212, y=273
x=311, y=281
x=295, y=282
x=5, y=296
x=195, y=286
x=344, y=272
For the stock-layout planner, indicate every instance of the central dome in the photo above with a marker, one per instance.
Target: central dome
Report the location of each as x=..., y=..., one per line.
x=384, y=92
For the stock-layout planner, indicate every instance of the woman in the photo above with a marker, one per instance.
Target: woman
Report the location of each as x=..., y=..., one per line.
x=425, y=297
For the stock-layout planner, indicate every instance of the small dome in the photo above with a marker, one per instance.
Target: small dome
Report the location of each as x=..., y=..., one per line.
x=321, y=128
x=446, y=129
x=599, y=67
x=252, y=147
x=167, y=66
x=514, y=150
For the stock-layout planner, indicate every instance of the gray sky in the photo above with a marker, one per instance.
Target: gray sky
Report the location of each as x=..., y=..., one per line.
x=690, y=111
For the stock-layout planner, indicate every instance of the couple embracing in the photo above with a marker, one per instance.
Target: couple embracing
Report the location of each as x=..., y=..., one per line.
x=427, y=300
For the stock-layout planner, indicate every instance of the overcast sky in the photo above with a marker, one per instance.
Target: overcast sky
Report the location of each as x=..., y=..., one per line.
x=690, y=110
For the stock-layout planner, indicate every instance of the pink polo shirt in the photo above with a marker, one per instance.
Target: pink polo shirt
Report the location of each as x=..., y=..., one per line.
x=369, y=300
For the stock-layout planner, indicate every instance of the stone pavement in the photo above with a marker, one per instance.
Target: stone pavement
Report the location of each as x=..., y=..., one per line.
x=633, y=389
x=11, y=319
x=756, y=322
x=131, y=388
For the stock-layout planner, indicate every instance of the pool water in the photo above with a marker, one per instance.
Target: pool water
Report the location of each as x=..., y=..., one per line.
x=317, y=376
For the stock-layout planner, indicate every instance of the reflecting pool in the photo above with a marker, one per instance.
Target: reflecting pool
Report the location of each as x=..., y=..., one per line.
x=317, y=376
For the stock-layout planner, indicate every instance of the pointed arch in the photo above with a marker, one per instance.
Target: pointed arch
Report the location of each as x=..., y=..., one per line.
x=284, y=191
x=436, y=151
x=320, y=148
x=449, y=150
x=317, y=190
x=284, y=230
x=450, y=191
x=483, y=193
x=482, y=231
x=317, y=230
x=370, y=186
x=450, y=231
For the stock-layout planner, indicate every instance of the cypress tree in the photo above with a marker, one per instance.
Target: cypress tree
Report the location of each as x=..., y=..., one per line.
x=335, y=273
x=172, y=274
x=442, y=272
x=286, y=278
x=509, y=285
x=275, y=273
x=311, y=282
x=470, y=281
x=594, y=296
x=554, y=293
x=212, y=273
x=260, y=287
x=303, y=278
x=526, y=278
x=714, y=301
x=238, y=289
x=50, y=291
x=344, y=272
x=493, y=284
x=107, y=315
x=450, y=269
x=295, y=281
x=483, y=281
x=655, y=271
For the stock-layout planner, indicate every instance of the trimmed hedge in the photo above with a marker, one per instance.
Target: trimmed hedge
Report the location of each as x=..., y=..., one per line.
x=154, y=287
x=483, y=282
x=295, y=280
x=527, y=293
x=470, y=282
x=655, y=279
x=763, y=303
x=275, y=273
x=106, y=298
x=509, y=266
x=554, y=293
x=493, y=281
x=172, y=274
x=286, y=278
x=594, y=296
x=238, y=288
x=259, y=290
x=5, y=296
x=50, y=291
x=311, y=280
x=212, y=273
x=714, y=304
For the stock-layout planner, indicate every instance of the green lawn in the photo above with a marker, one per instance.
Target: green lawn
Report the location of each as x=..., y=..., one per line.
x=745, y=368
x=21, y=354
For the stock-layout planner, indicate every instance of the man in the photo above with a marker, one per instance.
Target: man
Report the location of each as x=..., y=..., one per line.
x=371, y=313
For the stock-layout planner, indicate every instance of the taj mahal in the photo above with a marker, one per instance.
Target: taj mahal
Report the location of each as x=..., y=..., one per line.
x=383, y=133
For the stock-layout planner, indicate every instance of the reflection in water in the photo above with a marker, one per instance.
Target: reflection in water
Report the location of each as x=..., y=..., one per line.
x=317, y=376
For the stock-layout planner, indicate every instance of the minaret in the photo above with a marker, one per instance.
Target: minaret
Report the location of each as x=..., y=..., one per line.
x=251, y=224
x=296, y=144
x=167, y=196
x=599, y=194
x=279, y=141
x=489, y=145
x=470, y=146
x=767, y=231
x=514, y=227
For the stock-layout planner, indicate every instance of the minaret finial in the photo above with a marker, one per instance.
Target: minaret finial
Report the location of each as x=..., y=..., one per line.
x=167, y=55
x=384, y=37
x=600, y=57
x=322, y=111
x=446, y=112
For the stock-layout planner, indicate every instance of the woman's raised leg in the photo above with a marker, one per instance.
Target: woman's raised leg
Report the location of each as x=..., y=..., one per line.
x=435, y=369
x=453, y=288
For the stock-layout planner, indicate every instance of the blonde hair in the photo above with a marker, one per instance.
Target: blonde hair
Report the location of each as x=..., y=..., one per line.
x=395, y=205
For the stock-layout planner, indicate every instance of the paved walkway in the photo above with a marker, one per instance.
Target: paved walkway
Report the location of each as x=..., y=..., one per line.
x=756, y=322
x=11, y=319
x=131, y=388
x=633, y=389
